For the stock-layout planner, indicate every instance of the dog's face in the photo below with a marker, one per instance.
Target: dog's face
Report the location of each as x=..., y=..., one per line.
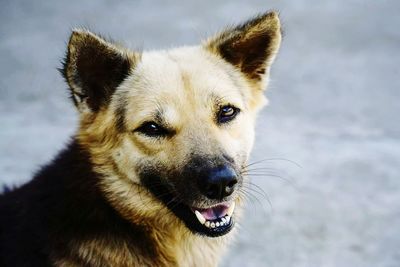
x=177, y=123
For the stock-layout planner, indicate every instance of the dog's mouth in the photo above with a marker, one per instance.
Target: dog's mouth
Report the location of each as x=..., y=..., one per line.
x=212, y=221
x=217, y=218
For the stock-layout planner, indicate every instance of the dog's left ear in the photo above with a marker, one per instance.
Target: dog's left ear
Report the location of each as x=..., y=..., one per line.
x=251, y=46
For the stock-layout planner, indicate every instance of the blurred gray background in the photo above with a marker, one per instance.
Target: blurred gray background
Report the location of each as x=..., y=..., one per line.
x=334, y=110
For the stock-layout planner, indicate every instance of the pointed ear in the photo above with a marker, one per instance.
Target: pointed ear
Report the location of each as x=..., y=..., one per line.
x=94, y=68
x=251, y=46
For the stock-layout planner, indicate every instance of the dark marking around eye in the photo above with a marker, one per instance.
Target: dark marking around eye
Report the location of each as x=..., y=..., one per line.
x=152, y=129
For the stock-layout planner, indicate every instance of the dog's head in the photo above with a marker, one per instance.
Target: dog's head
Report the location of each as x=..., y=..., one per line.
x=172, y=130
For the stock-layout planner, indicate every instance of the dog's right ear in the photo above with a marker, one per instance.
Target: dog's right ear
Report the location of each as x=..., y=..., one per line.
x=94, y=68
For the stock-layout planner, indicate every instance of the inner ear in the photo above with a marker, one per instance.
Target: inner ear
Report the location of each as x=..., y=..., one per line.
x=251, y=46
x=94, y=68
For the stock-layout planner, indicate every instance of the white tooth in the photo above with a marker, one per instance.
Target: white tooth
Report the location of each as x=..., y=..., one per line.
x=230, y=210
x=223, y=220
x=212, y=225
x=207, y=224
x=200, y=217
x=228, y=218
x=217, y=224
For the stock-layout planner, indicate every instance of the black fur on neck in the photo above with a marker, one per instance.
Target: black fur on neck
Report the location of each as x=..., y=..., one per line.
x=61, y=205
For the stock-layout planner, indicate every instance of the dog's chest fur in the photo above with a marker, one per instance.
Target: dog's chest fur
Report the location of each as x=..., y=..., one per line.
x=184, y=250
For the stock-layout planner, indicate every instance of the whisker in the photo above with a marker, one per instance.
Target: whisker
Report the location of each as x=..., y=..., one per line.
x=248, y=198
x=256, y=175
x=256, y=169
x=274, y=159
x=248, y=187
x=274, y=172
x=259, y=202
x=258, y=187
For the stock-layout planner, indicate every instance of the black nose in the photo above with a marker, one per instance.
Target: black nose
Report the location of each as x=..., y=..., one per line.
x=219, y=183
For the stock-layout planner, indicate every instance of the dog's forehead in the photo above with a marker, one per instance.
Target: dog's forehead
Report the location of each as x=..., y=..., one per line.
x=184, y=75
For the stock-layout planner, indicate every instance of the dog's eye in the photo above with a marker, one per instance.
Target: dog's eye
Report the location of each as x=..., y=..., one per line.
x=227, y=113
x=152, y=129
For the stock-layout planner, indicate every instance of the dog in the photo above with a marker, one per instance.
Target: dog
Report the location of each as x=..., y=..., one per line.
x=154, y=174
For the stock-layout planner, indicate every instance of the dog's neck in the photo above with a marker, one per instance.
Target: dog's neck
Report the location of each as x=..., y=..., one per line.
x=184, y=248
x=194, y=250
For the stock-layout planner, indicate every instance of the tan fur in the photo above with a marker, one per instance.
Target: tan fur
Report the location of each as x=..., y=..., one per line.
x=185, y=83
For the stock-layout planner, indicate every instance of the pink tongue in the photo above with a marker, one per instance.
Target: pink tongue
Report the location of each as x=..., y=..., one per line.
x=214, y=212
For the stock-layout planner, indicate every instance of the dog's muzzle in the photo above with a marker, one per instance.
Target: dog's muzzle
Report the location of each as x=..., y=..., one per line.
x=202, y=196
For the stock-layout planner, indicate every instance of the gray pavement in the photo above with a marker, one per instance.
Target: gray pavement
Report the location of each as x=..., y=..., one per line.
x=334, y=108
